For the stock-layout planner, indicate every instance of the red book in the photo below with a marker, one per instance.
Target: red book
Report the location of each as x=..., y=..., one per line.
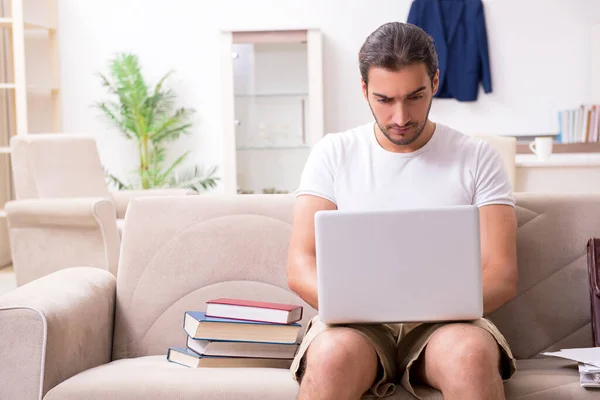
x=249, y=310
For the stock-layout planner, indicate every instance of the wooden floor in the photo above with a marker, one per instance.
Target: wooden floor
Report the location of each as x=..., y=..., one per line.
x=7, y=280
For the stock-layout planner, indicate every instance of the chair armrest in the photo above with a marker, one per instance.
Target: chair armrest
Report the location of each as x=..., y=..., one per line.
x=85, y=211
x=53, y=215
x=53, y=328
x=122, y=198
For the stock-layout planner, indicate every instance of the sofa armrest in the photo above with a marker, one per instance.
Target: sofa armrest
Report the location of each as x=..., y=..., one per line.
x=122, y=198
x=53, y=328
x=47, y=218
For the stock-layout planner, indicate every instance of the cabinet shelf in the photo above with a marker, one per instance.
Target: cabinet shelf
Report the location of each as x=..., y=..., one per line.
x=249, y=148
x=271, y=94
x=7, y=86
x=523, y=148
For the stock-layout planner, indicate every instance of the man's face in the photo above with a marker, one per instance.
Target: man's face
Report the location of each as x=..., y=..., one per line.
x=400, y=101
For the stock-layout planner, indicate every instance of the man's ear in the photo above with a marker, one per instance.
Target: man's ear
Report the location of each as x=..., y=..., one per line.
x=365, y=89
x=436, y=82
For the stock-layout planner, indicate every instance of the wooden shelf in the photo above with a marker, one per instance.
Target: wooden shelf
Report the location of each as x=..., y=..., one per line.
x=33, y=88
x=8, y=23
x=523, y=148
x=38, y=25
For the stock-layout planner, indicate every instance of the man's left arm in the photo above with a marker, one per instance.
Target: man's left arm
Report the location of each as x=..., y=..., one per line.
x=498, y=255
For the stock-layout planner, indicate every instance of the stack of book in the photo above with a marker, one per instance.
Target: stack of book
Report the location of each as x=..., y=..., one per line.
x=239, y=333
x=589, y=375
x=588, y=361
x=579, y=125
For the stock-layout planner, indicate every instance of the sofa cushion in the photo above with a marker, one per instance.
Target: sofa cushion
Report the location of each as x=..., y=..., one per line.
x=153, y=377
x=547, y=379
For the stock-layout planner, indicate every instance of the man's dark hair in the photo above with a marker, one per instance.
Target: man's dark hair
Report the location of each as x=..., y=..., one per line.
x=395, y=45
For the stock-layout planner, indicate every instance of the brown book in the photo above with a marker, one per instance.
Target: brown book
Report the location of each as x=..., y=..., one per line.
x=593, y=254
x=188, y=358
x=197, y=325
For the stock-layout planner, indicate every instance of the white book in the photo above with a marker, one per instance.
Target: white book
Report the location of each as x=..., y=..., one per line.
x=242, y=349
x=589, y=375
x=588, y=368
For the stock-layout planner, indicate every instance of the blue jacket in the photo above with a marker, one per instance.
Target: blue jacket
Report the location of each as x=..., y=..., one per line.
x=459, y=33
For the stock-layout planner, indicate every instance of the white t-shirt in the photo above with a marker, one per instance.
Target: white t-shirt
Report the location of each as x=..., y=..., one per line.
x=352, y=170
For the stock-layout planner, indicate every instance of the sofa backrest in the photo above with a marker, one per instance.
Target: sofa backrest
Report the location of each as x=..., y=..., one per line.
x=552, y=307
x=53, y=165
x=179, y=252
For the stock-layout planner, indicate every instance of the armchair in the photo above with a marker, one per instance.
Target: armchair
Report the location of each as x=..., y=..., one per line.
x=64, y=215
x=507, y=147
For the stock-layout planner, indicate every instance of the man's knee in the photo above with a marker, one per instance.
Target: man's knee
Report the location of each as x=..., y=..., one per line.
x=467, y=351
x=341, y=353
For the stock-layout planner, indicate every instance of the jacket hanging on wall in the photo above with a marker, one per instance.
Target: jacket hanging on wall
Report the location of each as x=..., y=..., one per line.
x=459, y=33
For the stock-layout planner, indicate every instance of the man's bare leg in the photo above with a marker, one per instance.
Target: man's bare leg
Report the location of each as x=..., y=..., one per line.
x=462, y=361
x=340, y=364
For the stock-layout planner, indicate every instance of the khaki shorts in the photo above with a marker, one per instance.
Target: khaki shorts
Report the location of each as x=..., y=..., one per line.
x=398, y=346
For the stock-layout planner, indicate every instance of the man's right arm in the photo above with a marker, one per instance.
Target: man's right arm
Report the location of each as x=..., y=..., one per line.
x=301, y=264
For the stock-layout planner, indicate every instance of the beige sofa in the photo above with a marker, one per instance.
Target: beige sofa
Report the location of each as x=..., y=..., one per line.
x=64, y=214
x=79, y=333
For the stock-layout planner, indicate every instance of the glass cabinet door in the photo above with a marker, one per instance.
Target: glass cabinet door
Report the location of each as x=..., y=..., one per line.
x=271, y=103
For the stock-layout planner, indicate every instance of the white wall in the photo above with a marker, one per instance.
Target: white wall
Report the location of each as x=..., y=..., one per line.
x=595, y=64
x=539, y=52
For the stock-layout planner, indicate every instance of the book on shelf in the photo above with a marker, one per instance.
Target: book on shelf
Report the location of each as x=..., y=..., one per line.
x=188, y=358
x=253, y=310
x=579, y=125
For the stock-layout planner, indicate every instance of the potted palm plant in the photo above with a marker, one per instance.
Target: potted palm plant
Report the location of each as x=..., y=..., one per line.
x=148, y=117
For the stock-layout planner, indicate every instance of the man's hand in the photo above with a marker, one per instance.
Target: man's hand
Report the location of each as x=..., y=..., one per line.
x=498, y=255
x=301, y=265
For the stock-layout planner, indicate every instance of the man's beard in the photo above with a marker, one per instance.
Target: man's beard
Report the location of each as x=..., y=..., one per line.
x=407, y=141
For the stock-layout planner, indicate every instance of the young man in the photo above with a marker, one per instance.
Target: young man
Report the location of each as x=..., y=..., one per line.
x=404, y=160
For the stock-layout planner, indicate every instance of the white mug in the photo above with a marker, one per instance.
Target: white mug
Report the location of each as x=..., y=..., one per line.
x=541, y=147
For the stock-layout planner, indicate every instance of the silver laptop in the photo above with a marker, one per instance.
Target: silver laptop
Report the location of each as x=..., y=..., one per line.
x=399, y=266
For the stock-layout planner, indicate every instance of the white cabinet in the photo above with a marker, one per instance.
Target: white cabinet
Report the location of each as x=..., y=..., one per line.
x=562, y=173
x=272, y=90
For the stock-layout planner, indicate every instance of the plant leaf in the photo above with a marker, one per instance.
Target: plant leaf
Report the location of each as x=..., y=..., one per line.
x=175, y=164
x=110, y=112
x=114, y=181
x=195, y=178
